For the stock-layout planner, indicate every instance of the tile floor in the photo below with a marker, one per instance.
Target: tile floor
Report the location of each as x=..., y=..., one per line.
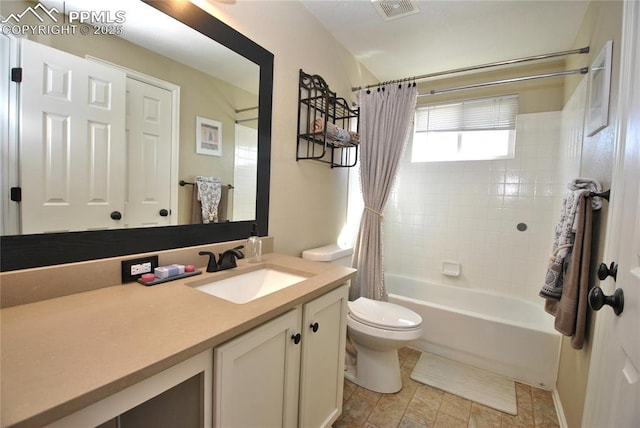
x=418, y=405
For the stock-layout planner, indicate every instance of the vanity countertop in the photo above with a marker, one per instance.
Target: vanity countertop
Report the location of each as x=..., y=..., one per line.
x=63, y=354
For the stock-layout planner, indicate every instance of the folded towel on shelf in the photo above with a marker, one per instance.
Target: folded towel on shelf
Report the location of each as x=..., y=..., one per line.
x=209, y=192
x=567, y=279
x=355, y=137
x=334, y=132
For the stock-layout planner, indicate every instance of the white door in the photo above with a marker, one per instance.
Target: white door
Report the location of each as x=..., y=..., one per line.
x=324, y=332
x=613, y=391
x=149, y=138
x=72, y=142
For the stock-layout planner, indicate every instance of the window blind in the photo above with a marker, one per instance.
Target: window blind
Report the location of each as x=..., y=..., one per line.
x=470, y=115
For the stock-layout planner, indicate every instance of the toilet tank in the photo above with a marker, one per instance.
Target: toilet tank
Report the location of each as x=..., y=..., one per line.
x=333, y=254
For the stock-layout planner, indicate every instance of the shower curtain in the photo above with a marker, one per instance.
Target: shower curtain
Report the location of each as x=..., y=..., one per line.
x=385, y=118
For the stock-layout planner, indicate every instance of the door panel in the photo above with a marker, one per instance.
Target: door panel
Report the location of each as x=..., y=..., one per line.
x=256, y=376
x=149, y=137
x=613, y=391
x=72, y=152
x=322, y=368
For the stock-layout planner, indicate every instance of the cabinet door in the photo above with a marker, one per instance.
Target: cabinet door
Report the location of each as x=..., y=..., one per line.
x=256, y=376
x=322, y=367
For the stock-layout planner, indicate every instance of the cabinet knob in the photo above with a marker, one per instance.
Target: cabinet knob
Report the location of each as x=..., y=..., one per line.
x=163, y=212
x=314, y=327
x=116, y=215
x=296, y=338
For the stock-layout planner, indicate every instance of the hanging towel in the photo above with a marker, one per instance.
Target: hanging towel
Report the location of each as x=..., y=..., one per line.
x=209, y=191
x=196, y=206
x=565, y=234
x=223, y=205
x=582, y=183
x=567, y=280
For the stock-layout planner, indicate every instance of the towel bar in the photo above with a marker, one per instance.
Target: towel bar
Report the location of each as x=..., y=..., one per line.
x=186, y=183
x=604, y=195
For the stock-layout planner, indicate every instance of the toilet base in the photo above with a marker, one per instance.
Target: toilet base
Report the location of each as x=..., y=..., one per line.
x=378, y=371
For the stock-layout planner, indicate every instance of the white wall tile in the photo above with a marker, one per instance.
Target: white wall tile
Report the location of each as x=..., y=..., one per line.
x=468, y=212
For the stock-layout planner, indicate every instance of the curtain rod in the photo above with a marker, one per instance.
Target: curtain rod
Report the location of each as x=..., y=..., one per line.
x=583, y=70
x=479, y=67
x=246, y=120
x=242, y=110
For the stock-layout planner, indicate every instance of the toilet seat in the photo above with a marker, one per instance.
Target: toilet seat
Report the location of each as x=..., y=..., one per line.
x=384, y=315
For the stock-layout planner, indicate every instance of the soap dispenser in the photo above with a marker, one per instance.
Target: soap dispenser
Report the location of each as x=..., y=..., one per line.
x=253, y=249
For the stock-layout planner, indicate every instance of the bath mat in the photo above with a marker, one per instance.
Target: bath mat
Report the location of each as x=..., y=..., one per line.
x=468, y=382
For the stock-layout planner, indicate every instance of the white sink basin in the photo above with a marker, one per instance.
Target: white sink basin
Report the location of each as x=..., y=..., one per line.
x=251, y=285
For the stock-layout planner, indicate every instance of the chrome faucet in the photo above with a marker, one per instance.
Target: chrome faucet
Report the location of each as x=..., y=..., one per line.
x=227, y=260
x=212, y=266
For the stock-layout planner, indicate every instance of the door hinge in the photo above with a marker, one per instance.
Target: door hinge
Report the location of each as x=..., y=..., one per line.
x=16, y=194
x=16, y=74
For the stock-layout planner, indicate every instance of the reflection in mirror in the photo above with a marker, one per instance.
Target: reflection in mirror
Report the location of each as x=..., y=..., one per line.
x=170, y=91
x=209, y=105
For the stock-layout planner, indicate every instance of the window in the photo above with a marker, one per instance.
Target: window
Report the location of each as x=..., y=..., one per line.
x=477, y=129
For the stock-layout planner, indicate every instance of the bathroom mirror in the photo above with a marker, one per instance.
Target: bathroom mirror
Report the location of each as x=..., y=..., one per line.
x=32, y=250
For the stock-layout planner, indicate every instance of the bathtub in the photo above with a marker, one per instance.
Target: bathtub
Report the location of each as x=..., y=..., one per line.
x=508, y=336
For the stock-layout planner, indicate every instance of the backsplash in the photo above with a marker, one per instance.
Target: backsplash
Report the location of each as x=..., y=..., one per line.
x=469, y=212
x=31, y=285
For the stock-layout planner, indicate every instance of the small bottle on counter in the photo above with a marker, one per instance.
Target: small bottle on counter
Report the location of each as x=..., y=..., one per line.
x=253, y=249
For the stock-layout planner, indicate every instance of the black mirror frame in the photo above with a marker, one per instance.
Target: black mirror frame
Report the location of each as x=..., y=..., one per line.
x=29, y=251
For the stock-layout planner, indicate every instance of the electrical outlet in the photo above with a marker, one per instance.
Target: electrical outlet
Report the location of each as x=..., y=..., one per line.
x=132, y=269
x=141, y=268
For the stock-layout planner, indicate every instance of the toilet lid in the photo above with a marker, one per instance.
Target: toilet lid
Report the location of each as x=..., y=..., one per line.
x=383, y=314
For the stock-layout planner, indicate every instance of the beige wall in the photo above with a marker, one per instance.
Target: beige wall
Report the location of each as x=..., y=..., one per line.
x=602, y=22
x=308, y=199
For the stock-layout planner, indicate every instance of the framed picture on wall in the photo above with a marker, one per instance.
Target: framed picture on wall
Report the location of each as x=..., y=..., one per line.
x=208, y=137
x=599, y=83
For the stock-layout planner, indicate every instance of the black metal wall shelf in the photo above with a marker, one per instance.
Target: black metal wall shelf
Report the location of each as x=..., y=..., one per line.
x=318, y=105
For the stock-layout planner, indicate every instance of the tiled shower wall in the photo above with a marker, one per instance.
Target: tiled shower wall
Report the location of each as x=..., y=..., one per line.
x=468, y=212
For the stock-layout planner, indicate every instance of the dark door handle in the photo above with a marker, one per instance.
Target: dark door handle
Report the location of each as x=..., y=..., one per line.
x=116, y=215
x=597, y=299
x=163, y=212
x=296, y=338
x=314, y=327
x=604, y=271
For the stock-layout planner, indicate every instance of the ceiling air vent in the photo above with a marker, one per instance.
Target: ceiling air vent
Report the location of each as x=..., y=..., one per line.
x=394, y=9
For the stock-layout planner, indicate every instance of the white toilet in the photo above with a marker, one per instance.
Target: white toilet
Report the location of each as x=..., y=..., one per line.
x=377, y=330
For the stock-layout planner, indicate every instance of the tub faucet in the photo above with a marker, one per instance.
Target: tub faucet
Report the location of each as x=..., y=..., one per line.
x=212, y=266
x=227, y=260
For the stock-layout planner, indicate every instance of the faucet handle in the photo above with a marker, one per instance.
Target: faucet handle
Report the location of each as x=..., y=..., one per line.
x=228, y=258
x=212, y=266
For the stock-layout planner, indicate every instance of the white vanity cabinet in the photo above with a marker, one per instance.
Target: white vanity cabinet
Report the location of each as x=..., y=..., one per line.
x=287, y=372
x=177, y=396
